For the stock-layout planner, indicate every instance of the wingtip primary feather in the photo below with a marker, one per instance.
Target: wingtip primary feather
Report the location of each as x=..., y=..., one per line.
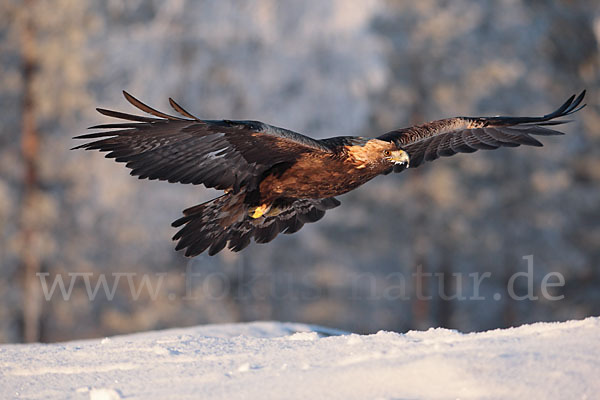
x=93, y=135
x=127, y=117
x=147, y=109
x=130, y=98
x=81, y=146
x=181, y=110
x=571, y=105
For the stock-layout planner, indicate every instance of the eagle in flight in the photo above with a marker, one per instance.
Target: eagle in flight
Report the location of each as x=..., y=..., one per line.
x=275, y=180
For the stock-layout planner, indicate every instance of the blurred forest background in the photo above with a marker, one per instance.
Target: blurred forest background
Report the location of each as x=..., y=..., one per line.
x=324, y=68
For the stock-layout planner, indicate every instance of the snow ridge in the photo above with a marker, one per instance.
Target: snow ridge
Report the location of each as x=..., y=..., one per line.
x=286, y=360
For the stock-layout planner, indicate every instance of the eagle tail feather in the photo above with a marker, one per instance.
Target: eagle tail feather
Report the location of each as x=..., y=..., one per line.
x=224, y=222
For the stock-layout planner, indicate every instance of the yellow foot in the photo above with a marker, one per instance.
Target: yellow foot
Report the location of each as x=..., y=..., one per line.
x=258, y=211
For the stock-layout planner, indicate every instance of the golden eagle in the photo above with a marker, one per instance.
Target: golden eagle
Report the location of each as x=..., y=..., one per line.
x=275, y=180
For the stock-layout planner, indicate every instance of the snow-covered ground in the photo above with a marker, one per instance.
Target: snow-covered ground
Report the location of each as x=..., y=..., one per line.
x=265, y=360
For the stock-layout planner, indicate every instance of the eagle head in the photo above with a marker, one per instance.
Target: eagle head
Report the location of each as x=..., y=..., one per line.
x=378, y=155
x=397, y=157
x=389, y=155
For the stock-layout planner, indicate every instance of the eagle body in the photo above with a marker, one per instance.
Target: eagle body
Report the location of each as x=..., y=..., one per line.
x=317, y=175
x=275, y=180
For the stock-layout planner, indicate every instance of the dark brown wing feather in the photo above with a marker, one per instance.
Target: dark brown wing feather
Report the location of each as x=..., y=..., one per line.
x=447, y=137
x=219, y=154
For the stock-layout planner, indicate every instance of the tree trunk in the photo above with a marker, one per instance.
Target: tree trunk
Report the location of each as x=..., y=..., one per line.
x=30, y=150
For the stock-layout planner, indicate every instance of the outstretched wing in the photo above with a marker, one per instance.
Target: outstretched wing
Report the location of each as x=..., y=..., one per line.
x=226, y=155
x=447, y=137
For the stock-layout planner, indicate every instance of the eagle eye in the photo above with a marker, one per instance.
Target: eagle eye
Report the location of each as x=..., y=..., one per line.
x=387, y=153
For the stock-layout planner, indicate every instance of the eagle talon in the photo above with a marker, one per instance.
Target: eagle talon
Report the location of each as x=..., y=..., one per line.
x=259, y=211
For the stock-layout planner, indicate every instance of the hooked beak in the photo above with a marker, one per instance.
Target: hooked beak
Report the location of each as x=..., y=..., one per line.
x=400, y=158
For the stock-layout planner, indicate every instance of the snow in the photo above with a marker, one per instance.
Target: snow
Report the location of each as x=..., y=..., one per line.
x=284, y=360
